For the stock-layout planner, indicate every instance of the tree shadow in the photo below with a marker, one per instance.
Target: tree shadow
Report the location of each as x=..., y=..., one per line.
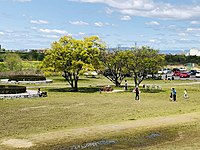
x=80, y=89
x=152, y=91
x=131, y=119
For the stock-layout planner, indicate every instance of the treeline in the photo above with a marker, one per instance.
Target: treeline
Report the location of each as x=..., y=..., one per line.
x=33, y=55
x=170, y=59
x=181, y=59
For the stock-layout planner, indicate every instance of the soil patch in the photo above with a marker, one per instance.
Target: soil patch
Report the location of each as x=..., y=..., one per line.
x=17, y=143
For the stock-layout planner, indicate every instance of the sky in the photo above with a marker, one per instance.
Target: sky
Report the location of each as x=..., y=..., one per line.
x=160, y=24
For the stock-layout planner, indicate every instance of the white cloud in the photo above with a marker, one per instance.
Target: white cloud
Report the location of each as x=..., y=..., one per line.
x=154, y=41
x=109, y=24
x=39, y=22
x=22, y=1
x=53, y=31
x=153, y=23
x=98, y=24
x=2, y=33
x=126, y=18
x=193, y=29
x=50, y=36
x=151, y=8
x=182, y=34
x=81, y=33
x=101, y=24
x=81, y=23
x=109, y=10
x=195, y=22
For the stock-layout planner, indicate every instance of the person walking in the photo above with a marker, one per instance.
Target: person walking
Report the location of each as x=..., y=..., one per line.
x=166, y=77
x=174, y=94
x=39, y=92
x=171, y=95
x=137, y=92
x=126, y=85
x=185, y=94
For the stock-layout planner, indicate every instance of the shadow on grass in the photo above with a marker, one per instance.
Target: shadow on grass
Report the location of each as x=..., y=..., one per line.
x=80, y=90
x=64, y=80
x=152, y=91
x=131, y=119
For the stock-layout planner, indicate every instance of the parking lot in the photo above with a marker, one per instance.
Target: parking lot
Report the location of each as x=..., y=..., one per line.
x=169, y=76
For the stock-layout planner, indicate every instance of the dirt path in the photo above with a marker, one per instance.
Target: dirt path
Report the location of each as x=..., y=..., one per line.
x=52, y=85
x=73, y=134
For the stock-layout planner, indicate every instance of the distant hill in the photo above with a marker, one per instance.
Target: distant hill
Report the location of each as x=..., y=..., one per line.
x=173, y=52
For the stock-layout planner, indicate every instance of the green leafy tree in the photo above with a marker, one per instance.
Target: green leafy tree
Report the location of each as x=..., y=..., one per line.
x=114, y=65
x=72, y=57
x=13, y=62
x=143, y=61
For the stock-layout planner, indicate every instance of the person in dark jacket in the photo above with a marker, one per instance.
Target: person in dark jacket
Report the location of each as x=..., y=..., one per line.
x=174, y=94
x=137, y=93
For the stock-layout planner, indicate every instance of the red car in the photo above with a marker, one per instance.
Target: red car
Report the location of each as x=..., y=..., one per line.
x=184, y=75
x=176, y=73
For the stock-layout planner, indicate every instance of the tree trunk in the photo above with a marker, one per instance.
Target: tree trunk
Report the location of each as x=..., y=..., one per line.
x=75, y=88
x=117, y=84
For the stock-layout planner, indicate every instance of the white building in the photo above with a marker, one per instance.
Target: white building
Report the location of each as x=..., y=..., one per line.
x=193, y=52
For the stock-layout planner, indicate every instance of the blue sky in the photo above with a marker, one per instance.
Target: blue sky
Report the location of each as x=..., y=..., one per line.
x=167, y=24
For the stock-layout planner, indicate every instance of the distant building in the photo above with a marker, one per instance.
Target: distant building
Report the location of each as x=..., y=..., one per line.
x=193, y=52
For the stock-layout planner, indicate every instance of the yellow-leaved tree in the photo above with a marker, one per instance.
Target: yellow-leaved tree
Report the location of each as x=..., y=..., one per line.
x=72, y=56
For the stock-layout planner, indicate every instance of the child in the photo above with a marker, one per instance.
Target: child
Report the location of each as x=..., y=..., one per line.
x=170, y=97
x=185, y=94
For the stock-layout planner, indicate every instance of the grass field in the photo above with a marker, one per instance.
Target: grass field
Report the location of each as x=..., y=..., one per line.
x=65, y=119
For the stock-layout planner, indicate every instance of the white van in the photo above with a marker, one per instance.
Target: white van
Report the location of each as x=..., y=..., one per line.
x=164, y=71
x=198, y=74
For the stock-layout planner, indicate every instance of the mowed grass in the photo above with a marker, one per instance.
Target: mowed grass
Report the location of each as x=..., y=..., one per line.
x=182, y=137
x=68, y=110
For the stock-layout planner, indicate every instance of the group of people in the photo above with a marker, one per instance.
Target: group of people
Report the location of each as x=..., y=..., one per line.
x=172, y=94
x=41, y=93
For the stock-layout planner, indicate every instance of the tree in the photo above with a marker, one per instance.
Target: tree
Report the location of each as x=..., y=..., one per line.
x=72, y=56
x=13, y=62
x=142, y=61
x=114, y=63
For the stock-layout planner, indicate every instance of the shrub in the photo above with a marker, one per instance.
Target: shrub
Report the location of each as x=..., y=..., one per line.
x=26, y=78
x=12, y=89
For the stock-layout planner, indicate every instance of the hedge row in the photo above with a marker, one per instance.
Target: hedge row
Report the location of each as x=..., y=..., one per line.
x=26, y=78
x=12, y=89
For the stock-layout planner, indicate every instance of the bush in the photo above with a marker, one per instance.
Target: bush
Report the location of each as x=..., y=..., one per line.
x=12, y=89
x=26, y=78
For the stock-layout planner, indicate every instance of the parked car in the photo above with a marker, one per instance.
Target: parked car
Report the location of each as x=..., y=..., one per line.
x=176, y=73
x=182, y=69
x=193, y=72
x=164, y=71
x=160, y=71
x=175, y=69
x=184, y=75
x=91, y=74
x=198, y=74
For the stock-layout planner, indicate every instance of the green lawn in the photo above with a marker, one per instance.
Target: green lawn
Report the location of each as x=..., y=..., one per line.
x=62, y=110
